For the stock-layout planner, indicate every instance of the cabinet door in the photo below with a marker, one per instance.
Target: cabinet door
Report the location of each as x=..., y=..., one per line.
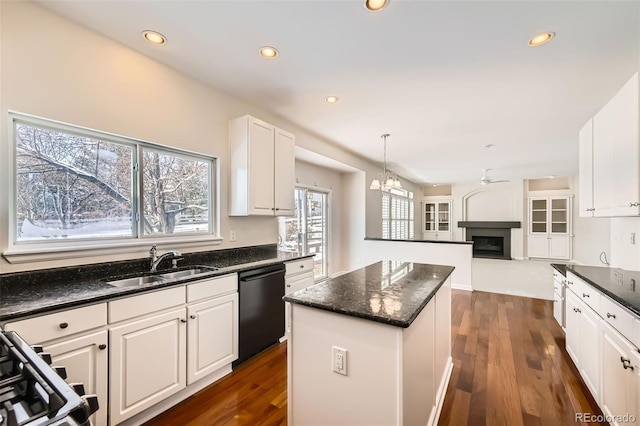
x=429, y=216
x=148, y=363
x=559, y=215
x=603, y=123
x=589, y=349
x=625, y=191
x=85, y=360
x=572, y=325
x=261, y=167
x=538, y=245
x=558, y=308
x=618, y=374
x=284, y=173
x=444, y=214
x=559, y=247
x=538, y=216
x=212, y=334
x=585, y=167
x=634, y=406
x=442, y=335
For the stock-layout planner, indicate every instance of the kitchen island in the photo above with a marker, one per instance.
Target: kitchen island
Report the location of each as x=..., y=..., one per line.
x=386, y=328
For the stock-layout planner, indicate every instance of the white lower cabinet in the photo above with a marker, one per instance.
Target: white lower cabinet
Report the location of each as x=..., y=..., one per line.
x=572, y=328
x=147, y=362
x=85, y=361
x=620, y=366
x=589, y=349
x=212, y=332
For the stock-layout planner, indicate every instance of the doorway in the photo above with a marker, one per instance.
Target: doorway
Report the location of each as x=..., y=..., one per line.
x=306, y=232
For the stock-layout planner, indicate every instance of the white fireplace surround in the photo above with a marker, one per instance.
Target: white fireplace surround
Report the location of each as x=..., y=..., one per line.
x=502, y=202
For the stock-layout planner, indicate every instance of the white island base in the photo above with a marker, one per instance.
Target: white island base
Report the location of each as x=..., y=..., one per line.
x=395, y=375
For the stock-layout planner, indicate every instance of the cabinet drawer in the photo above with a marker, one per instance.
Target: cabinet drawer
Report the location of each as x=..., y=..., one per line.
x=617, y=316
x=143, y=304
x=298, y=266
x=60, y=324
x=298, y=282
x=212, y=287
x=585, y=292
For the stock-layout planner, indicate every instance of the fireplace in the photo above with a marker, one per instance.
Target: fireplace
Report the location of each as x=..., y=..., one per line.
x=490, y=239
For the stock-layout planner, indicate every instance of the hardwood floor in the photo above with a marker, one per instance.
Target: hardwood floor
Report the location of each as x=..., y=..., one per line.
x=510, y=368
x=510, y=365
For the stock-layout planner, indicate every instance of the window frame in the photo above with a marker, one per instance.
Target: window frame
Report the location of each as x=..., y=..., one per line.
x=28, y=251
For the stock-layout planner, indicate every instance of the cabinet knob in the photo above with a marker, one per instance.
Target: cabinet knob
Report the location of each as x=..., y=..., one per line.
x=192, y=316
x=636, y=204
x=64, y=325
x=301, y=266
x=611, y=315
x=585, y=295
x=102, y=347
x=183, y=320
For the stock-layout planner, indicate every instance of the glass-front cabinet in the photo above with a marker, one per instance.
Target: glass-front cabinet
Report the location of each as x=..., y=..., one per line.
x=436, y=215
x=549, y=228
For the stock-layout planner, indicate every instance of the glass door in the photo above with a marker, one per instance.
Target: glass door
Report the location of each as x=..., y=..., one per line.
x=539, y=216
x=443, y=216
x=306, y=232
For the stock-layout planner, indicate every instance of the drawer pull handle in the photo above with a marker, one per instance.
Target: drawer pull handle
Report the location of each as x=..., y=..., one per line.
x=183, y=320
x=636, y=204
x=102, y=347
x=64, y=325
x=626, y=363
x=611, y=315
x=576, y=310
x=192, y=316
x=585, y=295
x=288, y=285
x=301, y=266
x=570, y=282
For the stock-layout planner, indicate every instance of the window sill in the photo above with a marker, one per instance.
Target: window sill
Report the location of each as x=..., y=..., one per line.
x=20, y=255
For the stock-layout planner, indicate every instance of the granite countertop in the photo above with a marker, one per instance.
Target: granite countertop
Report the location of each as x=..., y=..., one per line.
x=416, y=240
x=620, y=285
x=388, y=292
x=560, y=267
x=24, y=294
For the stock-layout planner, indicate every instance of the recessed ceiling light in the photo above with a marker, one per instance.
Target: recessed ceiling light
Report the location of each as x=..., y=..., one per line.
x=331, y=99
x=154, y=37
x=268, y=52
x=435, y=184
x=541, y=39
x=551, y=176
x=374, y=5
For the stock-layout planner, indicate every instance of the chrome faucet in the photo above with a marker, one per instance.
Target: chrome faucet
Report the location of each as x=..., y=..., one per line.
x=154, y=259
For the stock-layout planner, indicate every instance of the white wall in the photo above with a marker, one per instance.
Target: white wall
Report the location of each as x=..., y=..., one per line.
x=77, y=76
x=624, y=254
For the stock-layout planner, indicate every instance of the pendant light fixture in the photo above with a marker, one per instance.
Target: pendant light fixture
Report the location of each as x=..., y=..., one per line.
x=386, y=180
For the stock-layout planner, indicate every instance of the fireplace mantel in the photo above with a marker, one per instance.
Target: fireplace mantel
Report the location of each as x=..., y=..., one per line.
x=488, y=224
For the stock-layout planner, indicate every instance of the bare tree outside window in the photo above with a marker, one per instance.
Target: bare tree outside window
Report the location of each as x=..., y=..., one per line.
x=175, y=195
x=73, y=186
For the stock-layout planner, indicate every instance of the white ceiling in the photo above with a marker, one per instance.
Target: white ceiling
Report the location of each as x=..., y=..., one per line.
x=442, y=77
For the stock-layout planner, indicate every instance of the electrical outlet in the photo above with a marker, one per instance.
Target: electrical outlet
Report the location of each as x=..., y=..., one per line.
x=339, y=360
x=232, y=235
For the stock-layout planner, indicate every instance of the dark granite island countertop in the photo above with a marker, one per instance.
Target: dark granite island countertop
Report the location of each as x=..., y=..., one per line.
x=388, y=292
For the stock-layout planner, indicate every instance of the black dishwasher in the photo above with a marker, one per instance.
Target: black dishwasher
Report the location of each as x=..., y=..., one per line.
x=261, y=310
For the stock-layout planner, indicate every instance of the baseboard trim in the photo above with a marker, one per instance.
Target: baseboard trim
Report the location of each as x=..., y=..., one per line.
x=465, y=287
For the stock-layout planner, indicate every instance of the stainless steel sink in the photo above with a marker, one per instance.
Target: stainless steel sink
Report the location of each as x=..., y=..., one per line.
x=137, y=281
x=188, y=272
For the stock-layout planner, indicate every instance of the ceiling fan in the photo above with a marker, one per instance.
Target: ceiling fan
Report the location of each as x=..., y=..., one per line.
x=485, y=179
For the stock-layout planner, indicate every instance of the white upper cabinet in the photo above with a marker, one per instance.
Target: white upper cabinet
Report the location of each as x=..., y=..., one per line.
x=585, y=165
x=610, y=143
x=262, y=169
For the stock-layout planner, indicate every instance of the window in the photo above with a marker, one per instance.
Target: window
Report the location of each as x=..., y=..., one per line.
x=75, y=184
x=397, y=214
